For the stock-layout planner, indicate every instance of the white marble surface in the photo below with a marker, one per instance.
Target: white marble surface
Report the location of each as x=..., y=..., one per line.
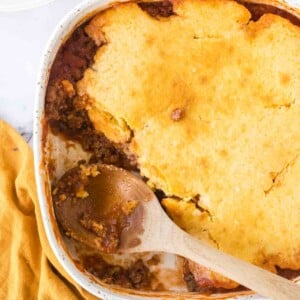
x=23, y=37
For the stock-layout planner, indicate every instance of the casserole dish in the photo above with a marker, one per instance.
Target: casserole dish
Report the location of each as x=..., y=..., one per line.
x=55, y=155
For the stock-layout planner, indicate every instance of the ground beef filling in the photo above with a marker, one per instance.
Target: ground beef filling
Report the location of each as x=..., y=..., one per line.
x=162, y=9
x=66, y=115
x=74, y=57
x=136, y=276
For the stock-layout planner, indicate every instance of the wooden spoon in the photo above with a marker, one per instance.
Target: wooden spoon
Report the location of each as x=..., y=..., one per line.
x=146, y=227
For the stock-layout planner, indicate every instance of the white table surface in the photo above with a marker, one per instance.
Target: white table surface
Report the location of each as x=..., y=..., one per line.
x=23, y=37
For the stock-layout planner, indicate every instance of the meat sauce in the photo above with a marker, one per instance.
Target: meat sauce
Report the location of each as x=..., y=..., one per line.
x=136, y=276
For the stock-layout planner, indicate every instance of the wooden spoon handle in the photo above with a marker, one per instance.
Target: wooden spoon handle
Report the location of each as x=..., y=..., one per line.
x=161, y=234
x=259, y=280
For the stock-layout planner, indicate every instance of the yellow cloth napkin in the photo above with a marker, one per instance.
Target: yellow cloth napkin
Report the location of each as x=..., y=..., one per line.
x=28, y=269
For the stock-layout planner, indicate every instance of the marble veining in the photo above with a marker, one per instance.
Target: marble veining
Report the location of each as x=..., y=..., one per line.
x=26, y=132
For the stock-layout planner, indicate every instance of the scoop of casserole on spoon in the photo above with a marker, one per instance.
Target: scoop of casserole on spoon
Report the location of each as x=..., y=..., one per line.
x=114, y=211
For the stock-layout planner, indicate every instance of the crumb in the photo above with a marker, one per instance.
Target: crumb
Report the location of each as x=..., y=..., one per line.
x=177, y=114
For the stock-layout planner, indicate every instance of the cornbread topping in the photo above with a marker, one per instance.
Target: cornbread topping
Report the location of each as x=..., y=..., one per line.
x=203, y=99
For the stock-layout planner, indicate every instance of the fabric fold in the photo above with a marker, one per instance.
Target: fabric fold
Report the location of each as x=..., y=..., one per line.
x=29, y=269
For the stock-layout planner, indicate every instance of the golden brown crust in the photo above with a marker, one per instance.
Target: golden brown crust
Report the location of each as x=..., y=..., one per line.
x=209, y=101
x=237, y=146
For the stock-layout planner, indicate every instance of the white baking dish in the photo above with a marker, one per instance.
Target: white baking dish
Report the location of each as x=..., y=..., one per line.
x=68, y=157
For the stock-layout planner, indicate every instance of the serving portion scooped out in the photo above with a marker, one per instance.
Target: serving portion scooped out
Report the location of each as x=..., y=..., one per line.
x=120, y=214
x=203, y=101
